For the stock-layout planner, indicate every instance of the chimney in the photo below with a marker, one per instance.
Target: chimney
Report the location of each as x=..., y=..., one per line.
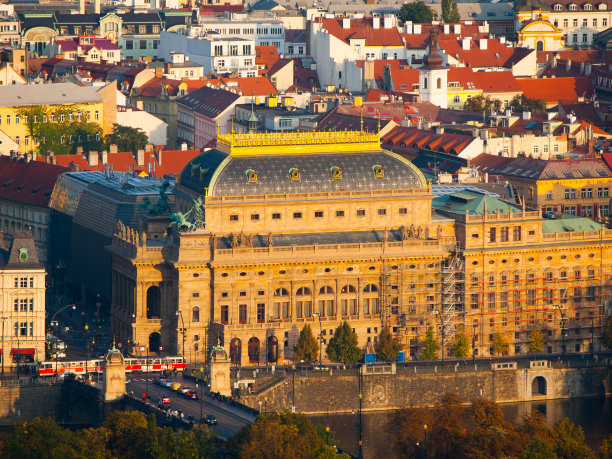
x=97, y=6
x=376, y=23
x=92, y=158
x=113, y=148
x=79, y=150
x=446, y=29
x=346, y=23
x=81, y=6
x=184, y=146
x=149, y=147
x=104, y=157
x=140, y=158
x=457, y=29
x=159, y=72
x=483, y=43
x=139, y=106
x=587, y=68
x=52, y=158
x=526, y=116
x=416, y=29
x=581, y=67
x=591, y=143
x=508, y=112
x=159, y=156
x=465, y=44
x=408, y=26
x=388, y=21
x=568, y=65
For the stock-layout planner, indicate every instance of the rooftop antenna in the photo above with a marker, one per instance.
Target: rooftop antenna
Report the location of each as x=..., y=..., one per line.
x=361, y=119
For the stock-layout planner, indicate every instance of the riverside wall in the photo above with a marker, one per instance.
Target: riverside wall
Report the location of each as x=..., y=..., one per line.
x=319, y=394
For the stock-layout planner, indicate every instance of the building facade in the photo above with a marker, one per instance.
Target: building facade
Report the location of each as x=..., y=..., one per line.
x=283, y=230
x=22, y=302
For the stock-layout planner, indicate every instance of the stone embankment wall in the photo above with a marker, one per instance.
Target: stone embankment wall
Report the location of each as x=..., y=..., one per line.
x=22, y=403
x=340, y=392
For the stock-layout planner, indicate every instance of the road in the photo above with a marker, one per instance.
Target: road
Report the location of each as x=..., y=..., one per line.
x=228, y=423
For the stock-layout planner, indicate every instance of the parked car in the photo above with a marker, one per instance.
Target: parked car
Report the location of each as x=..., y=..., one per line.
x=192, y=394
x=210, y=420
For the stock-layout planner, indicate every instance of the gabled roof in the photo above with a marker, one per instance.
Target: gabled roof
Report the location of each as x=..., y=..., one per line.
x=11, y=255
x=72, y=44
x=363, y=29
x=251, y=86
x=27, y=182
x=153, y=87
x=569, y=223
x=296, y=36
x=558, y=89
x=411, y=140
x=495, y=54
x=208, y=101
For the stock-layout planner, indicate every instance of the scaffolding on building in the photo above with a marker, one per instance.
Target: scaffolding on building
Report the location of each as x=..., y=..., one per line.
x=451, y=294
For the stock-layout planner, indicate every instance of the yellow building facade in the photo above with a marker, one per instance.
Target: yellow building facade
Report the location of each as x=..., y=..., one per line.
x=281, y=230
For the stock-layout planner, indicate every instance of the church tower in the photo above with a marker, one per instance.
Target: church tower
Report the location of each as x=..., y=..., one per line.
x=433, y=75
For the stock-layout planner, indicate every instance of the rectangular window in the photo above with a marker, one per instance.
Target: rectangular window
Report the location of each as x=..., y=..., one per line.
x=491, y=300
x=531, y=297
x=16, y=305
x=549, y=195
x=23, y=305
x=23, y=329
x=382, y=211
x=254, y=217
x=224, y=314
x=339, y=213
x=604, y=22
x=261, y=313
x=242, y=313
x=143, y=44
x=492, y=234
x=516, y=233
x=276, y=216
x=474, y=300
x=403, y=211
x=31, y=328
x=31, y=304
x=23, y=282
x=297, y=215
x=233, y=218
x=503, y=235
x=129, y=44
x=361, y=212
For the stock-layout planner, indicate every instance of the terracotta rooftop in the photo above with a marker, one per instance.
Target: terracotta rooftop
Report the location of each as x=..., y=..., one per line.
x=558, y=89
x=409, y=139
x=363, y=29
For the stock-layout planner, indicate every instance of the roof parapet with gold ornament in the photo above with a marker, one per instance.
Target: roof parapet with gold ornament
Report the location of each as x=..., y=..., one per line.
x=303, y=142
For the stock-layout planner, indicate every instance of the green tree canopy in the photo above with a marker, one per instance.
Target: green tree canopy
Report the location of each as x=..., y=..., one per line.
x=461, y=345
x=307, y=347
x=536, y=341
x=417, y=12
x=481, y=103
x=538, y=448
x=569, y=441
x=523, y=103
x=387, y=347
x=282, y=435
x=500, y=343
x=127, y=138
x=450, y=13
x=342, y=346
x=430, y=346
x=60, y=129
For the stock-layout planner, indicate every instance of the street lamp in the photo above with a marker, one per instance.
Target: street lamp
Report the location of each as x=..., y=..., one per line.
x=73, y=307
x=180, y=314
x=86, y=352
x=3, y=319
x=202, y=391
x=592, y=337
x=437, y=311
x=562, y=332
x=320, y=338
x=425, y=442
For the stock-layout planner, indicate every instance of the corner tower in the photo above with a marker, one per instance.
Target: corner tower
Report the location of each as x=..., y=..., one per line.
x=433, y=85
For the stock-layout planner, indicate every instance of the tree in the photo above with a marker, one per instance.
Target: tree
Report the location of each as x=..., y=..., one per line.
x=500, y=343
x=60, y=129
x=538, y=448
x=307, y=347
x=461, y=346
x=430, y=346
x=569, y=441
x=342, y=346
x=282, y=435
x=605, y=449
x=407, y=427
x=450, y=13
x=448, y=430
x=130, y=432
x=387, y=347
x=523, y=103
x=536, y=341
x=417, y=12
x=481, y=103
x=127, y=138
x=606, y=333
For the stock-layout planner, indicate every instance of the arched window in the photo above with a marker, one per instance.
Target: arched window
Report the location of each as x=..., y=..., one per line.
x=195, y=314
x=439, y=83
x=348, y=289
x=540, y=45
x=326, y=289
x=303, y=291
x=424, y=83
x=370, y=288
x=558, y=7
x=281, y=292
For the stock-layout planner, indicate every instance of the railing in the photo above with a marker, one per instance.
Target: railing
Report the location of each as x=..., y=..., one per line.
x=316, y=196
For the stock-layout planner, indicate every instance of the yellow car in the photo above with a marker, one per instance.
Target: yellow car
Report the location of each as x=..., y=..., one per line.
x=175, y=386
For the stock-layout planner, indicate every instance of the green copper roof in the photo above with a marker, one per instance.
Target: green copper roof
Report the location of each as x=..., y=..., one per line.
x=473, y=202
x=569, y=223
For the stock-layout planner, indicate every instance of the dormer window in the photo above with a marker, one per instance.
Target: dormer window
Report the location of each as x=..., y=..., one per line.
x=573, y=7
x=558, y=7
x=588, y=7
x=603, y=6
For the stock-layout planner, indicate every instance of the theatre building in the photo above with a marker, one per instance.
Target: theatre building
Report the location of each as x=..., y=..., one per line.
x=272, y=231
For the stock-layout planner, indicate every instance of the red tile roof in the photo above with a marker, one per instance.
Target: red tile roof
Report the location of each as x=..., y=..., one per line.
x=28, y=182
x=304, y=78
x=421, y=40
x=251, y=86
x=363, y=29
x=72, y=44
x=575, y=55
x=411, y=140
x=172, y=161
x=557, y=89
x=153, y=87
x=380, y=65
x=495, y=54
x=266, y=56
